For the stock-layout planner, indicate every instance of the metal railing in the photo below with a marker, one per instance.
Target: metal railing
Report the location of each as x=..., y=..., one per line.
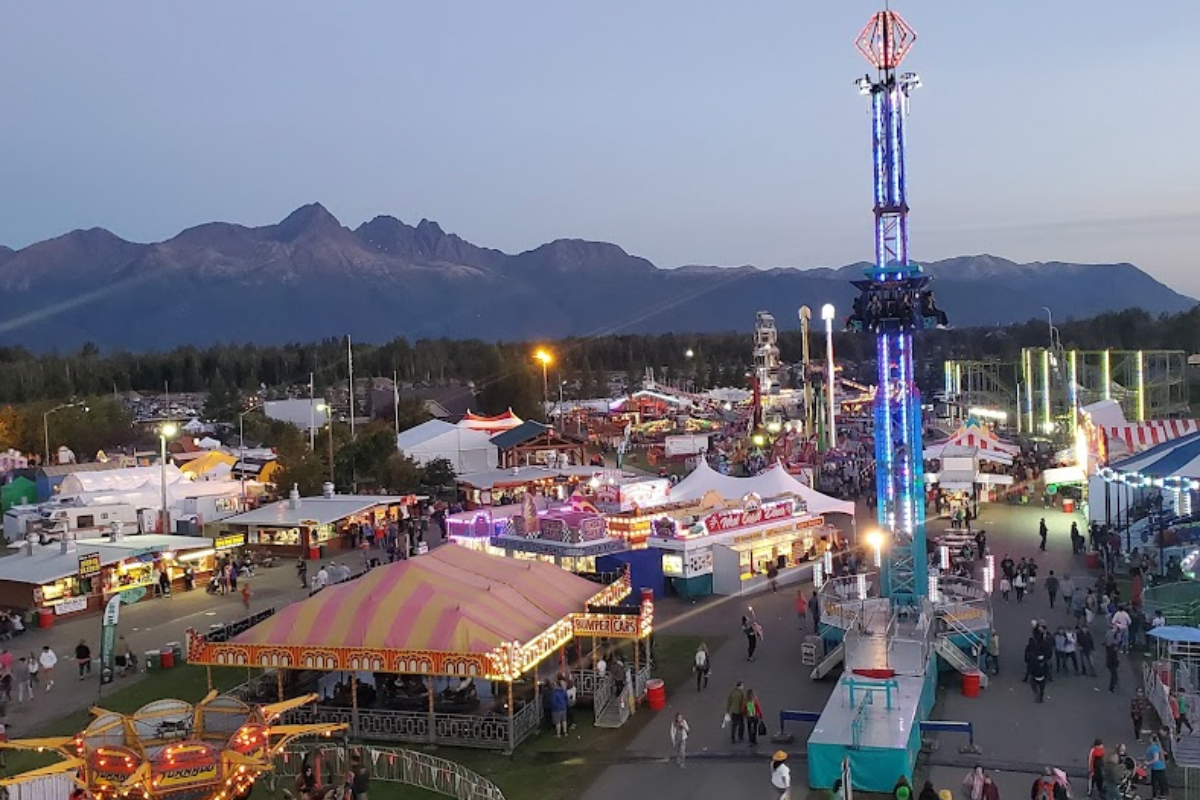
x=457, y=730
x=391, y=765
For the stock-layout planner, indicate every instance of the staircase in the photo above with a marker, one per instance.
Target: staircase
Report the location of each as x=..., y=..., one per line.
x=613, y=711
x=955, y=657
x=831, y=660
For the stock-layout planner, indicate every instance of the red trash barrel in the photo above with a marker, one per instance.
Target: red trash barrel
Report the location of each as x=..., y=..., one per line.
x=1068, y=505
x=314, y=553
x=1093, y=559
x=166, y=658
x=970, y=684
x=656, y=694
x=45, y=617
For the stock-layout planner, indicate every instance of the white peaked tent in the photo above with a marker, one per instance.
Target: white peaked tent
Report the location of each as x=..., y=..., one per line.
x=128, y=479
x=773, y=482
x=467, y=450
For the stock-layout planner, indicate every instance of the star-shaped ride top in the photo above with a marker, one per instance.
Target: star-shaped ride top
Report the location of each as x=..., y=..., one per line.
x=886, y=40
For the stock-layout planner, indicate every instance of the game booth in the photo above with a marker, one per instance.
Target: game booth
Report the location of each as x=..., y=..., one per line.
x=443, y=649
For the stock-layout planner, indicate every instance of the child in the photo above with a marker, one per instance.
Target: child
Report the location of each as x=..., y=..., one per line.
x=1005, y=587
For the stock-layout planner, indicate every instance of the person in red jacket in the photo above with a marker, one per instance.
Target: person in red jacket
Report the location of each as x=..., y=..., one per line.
x=1095, y=762
x=801, y=607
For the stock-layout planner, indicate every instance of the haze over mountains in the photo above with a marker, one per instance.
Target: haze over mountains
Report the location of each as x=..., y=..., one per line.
x=309, y=277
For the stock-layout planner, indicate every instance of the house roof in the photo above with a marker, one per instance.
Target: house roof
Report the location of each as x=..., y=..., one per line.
x=527, y=432
x=456, y=400
x=422, y=433
x=322, y=510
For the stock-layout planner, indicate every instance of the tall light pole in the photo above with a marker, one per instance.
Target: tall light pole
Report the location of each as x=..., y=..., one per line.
x=828, y=313
x=46, y=424
x=167, y=431
x=805, y=314
x=324, y=407
x=545, y=358
x=242, y=452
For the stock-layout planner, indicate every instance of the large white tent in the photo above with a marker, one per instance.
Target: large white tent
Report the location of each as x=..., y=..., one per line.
x=773, y=482
x=466, y=449
x=126, y=479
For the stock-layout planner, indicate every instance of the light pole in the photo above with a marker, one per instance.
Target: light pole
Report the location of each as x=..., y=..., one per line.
x=242, y=452
x=324, y=408
x=828, y=313
x=543, y=356
x=167, y=431
x=46, y=424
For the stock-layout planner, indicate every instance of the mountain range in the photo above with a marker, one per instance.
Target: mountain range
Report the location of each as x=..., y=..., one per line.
x=309, y=277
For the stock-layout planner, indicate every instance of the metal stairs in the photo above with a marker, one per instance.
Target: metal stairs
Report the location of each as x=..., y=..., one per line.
x=955, y=657
x=831, y=660
x=615, y=712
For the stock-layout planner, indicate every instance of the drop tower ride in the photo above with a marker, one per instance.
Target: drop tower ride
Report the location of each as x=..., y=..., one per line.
x=893, y=303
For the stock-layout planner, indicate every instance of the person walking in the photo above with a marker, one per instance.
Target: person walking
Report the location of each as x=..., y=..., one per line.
x=752, y=631
x=1137, y=712
x=735, y=709
x=83, y=657
x=973, y=784
x=1005, y=587
x=801, y=608
x=781, y=775
x=1095, y=762
x=1043, y=531
x=1179, y=713
x=754, y=715
x=246, y=593
x=1157, y=762
x=1087, y=646
x=1112, y=660
x=990, y=790
x=1052, y=587
x=47, y=661
x=558, y=709
x=814, y=608
x=302, y=572
x=702, y=666
x=991, y=654
x=1039, y=674
x=21, y=679
x=1019, y=583
x=679, y=737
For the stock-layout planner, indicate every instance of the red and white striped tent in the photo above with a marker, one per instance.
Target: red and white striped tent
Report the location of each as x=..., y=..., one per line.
x=1136, y=437
x=972, y=434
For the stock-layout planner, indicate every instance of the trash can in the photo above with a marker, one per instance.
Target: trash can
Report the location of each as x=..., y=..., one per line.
x=1068, y=505
x=153, y=660
x=970, y=684
x=1093, y=559
x=45, y=617
x=656, y=694
x=177, y=649
x=166, y=658
x=314, y=553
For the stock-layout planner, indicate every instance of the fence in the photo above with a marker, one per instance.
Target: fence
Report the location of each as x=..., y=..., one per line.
x=391, y=765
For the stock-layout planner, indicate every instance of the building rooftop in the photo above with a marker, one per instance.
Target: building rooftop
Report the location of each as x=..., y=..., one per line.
x=321, y=510
x=49, y=563
x=492, y=478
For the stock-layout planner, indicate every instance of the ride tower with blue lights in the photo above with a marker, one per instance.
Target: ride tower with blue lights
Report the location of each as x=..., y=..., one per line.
x=894, y=302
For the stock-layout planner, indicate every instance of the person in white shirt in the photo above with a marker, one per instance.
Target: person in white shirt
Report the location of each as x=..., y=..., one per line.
x=781, y=775
x=1121, y=622
x=679, y=737
x=47, y=661
x=322, y=578
x=701, y=666
x=1158, y=621
x=601, y=666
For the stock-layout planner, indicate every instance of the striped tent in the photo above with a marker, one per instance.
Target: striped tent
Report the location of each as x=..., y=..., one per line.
x=1177, y=458
x=972, y=434
x=451, y=600
x=1136, y=437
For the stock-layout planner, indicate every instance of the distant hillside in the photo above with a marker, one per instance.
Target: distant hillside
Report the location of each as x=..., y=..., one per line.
x=309, y=277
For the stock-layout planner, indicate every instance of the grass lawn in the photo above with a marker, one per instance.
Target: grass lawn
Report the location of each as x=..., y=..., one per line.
x=544, y=768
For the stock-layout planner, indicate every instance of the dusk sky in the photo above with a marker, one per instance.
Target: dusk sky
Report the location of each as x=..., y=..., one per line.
x=686, y=131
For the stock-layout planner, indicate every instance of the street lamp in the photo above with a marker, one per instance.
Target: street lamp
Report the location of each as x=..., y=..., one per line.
x=46, y=424
x=242, y=452
x=828, y=313
x=875, y=539
x=324, y=409
x=545, y=358
x=167, y=431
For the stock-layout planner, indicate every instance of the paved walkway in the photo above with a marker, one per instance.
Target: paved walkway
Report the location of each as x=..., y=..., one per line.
x=147, y=625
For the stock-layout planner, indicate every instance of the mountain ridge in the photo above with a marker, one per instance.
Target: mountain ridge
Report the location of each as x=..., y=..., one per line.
x=309, y=276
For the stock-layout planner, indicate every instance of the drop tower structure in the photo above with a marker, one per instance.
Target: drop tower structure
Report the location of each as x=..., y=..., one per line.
x=894, y=303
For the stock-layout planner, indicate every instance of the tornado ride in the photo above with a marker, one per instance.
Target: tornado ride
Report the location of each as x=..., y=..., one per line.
x=172, y=750
x=892, y=629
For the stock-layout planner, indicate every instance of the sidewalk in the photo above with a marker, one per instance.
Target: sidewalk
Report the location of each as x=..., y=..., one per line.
x=147, y=625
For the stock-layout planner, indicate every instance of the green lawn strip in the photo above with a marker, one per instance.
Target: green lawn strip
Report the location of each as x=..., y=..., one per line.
x=546, y=768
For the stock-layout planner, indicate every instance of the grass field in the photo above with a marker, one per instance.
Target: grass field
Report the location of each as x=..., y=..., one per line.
x=544, y=768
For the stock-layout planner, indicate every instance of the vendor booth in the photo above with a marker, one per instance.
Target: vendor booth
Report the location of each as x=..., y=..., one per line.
x=443, y=649
x=498, y=487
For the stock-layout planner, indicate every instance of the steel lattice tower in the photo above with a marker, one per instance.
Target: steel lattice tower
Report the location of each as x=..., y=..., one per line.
x=894, y=303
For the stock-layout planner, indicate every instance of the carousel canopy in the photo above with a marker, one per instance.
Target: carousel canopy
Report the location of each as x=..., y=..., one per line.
x=770, y=483
x=451, y=600
x=972, y=434
x=1178, y=458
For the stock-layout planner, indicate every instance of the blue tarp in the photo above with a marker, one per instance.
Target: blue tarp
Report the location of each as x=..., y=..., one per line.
x=1176, y=633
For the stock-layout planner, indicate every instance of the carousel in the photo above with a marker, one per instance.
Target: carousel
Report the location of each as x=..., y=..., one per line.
x=445, y=648
x=214, y=750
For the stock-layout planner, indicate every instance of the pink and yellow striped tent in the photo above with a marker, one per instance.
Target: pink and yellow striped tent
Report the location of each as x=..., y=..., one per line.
x=451, y=611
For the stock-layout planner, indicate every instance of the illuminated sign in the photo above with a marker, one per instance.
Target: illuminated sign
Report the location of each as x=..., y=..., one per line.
x=184, y=766
x=229, y=540
x=616, y=626
x=112, y=766
x=592, y=528
x=554, y=530
x=89, y=565
x=752, y=512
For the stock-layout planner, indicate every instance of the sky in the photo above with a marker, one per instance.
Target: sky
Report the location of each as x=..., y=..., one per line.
x=686, y=131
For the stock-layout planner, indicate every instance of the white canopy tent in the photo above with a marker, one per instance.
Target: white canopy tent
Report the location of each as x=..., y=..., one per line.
x=942, y=450
x=127, y=479
x=773, y=482
x=466, y=449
